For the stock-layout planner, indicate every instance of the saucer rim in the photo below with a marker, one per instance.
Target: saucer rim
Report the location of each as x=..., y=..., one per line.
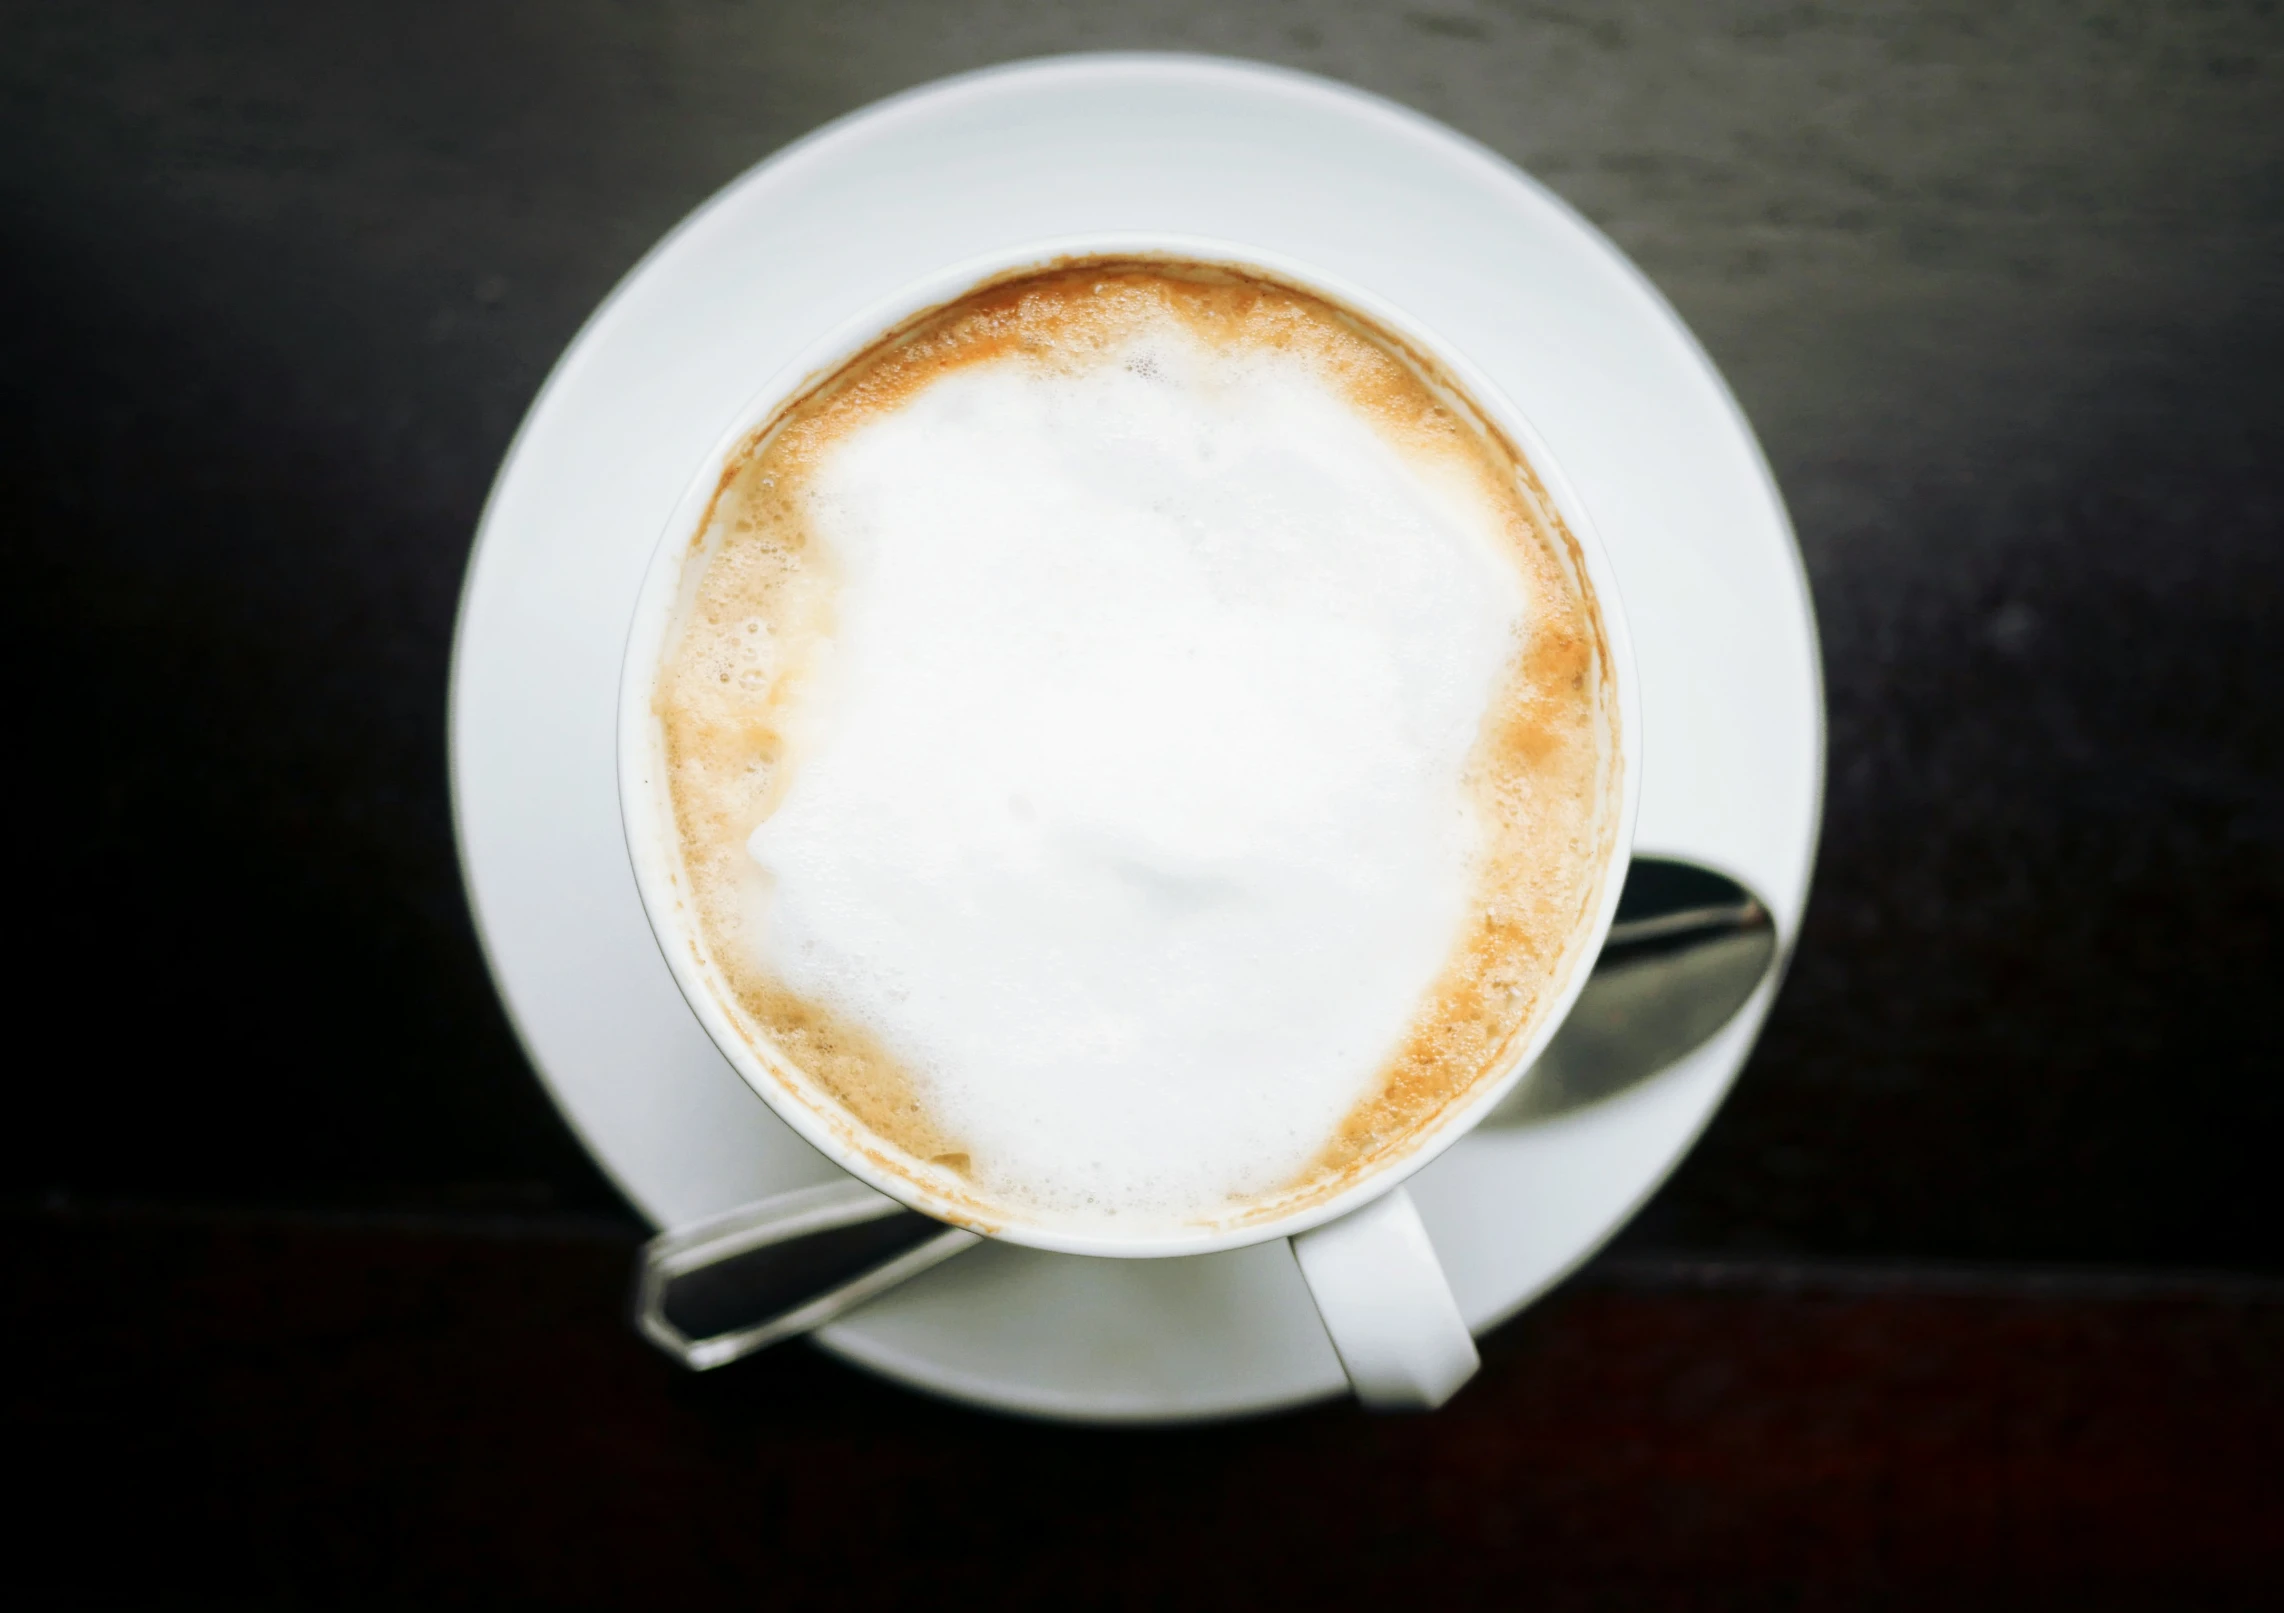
x=565, y=375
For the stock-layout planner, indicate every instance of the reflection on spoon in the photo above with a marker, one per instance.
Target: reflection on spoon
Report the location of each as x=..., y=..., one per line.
x=1689, y=946
x=1687, y=949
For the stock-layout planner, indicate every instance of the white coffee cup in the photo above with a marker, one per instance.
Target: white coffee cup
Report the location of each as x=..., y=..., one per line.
x=1364, y=1251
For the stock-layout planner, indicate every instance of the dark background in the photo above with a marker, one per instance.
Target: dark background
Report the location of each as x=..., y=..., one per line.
x=1973, y=1286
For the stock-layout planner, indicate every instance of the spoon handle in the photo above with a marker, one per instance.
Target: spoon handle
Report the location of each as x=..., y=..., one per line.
x=797, y=1261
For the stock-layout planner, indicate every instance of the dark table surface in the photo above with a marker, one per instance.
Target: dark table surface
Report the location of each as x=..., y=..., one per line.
x=1975, y=1288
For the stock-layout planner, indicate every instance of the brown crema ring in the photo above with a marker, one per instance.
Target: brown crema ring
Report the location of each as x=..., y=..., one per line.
x=759, y=605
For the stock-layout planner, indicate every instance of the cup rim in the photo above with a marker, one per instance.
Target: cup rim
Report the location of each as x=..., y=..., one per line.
x=645, y=811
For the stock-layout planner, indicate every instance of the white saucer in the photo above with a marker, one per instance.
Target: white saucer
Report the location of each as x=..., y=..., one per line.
x=1733, y=716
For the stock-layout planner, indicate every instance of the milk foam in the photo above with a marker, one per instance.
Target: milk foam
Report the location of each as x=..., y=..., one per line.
x=1124, y=806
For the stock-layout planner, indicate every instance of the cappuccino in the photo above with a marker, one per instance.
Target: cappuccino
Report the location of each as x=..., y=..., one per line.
x=1141, y=748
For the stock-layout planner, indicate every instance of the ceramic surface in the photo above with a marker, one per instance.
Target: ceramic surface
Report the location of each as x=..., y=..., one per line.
x=1724, y=645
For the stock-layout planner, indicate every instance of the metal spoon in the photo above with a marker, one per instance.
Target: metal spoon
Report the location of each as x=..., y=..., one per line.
x=1688, y=947
x=1686, y=950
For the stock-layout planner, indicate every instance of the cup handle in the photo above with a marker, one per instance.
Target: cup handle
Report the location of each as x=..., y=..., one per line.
x=1382, y=1294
